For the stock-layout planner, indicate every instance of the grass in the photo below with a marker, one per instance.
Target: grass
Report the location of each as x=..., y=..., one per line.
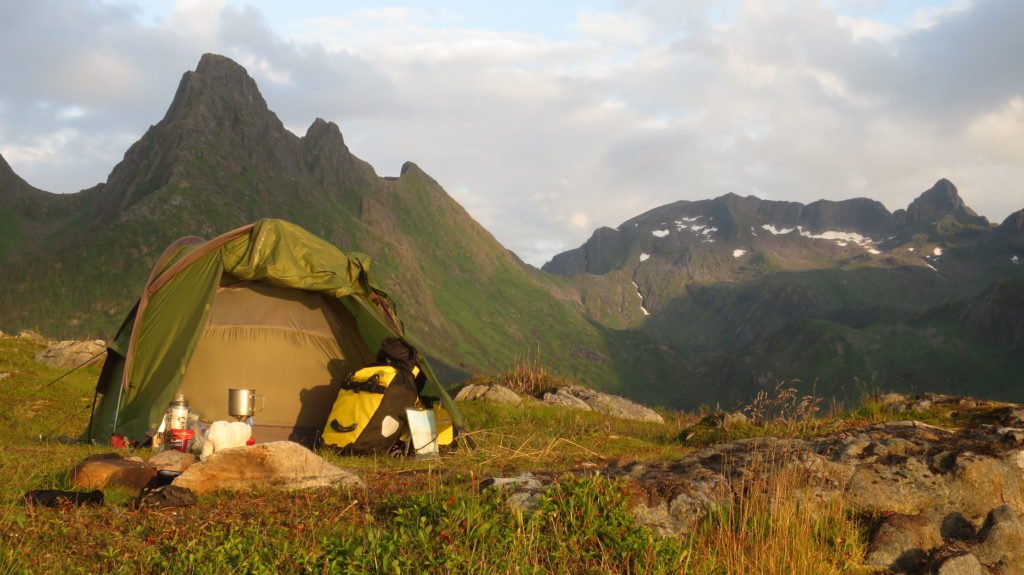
x=427, y=516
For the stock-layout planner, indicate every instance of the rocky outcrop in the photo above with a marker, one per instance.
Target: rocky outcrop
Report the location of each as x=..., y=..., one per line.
x=71, y=353
x=281, y=465
x=570, y=397
x=576, y=397
x=489, y=392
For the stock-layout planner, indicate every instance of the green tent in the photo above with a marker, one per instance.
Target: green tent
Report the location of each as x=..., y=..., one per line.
x=267, y=306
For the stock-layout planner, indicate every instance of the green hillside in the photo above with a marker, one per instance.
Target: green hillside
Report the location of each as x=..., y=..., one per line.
x=221, y=159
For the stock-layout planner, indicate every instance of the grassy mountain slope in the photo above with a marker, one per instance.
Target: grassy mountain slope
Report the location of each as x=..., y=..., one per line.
x=221, y=159
x=841, y=295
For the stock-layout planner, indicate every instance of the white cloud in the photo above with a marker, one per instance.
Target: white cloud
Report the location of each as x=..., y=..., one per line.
x=545, y=137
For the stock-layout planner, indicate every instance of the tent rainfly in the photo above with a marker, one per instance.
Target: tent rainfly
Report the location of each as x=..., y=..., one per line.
x=267, y=306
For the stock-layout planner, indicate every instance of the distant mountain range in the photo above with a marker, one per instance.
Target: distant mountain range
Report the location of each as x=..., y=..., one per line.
x=845, y=296
x=691, y=302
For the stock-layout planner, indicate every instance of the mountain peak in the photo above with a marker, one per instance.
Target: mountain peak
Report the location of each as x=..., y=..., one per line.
x=1014, y=222
x=218, y=90
x=11, y=184
x=939, y=201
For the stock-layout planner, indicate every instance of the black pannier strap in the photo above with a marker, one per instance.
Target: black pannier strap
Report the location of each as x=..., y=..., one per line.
x=371, y=385
x=342, y=428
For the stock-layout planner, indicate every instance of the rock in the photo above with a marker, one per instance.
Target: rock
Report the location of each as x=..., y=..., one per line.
x=523, y=492
x=1002, y=541
x=562, y=398
x=168, y=496
x=281, y=465
x=966, y=564
x=489, y=392
x=576, y=397
x=111, y=469
x=524, y=481
x=4, y=375
x=901, y=542
x=891, y=399
x=32, y=336
x=70, y=353
x=733, y=420
x=171, y=460
x=1011, y=434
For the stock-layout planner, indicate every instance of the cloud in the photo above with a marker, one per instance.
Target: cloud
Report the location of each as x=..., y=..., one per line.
x=544, y=137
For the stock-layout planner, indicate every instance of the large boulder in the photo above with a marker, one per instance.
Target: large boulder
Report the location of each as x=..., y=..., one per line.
x=576, y=397
x=489, y=392
x=70, y=353
x=281, y=465
x=1002, y=541
x=902, y=542
x=112, y=469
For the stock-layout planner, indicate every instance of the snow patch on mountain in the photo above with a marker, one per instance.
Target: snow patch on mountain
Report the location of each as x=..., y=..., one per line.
x=842, y=239
x=777, y=231
x=700, y=229
x=739, y=253
x=659, y=233
x=644, y=256
x=641, y=296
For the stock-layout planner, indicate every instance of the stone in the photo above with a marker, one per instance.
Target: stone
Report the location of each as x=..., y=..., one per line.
x=281, y=465
x=1002, y=541
x=733, y=420
x=901, y=542
x=70, y=353
x=172, y=460
x=966, y=564
x=166, y=497
x=1011, y=434
x=111, y=469
x=31, y=336
x=4, y=375
x=576, y=397
x=563, y=398
x=489, y=392
x=523, y=493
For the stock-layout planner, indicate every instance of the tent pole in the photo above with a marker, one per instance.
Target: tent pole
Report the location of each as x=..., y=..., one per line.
x=92, y=414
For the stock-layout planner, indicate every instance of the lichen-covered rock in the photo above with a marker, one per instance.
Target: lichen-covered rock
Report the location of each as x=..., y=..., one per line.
x=576, y=397
x=1002, y=541
x=966, y=564
x=281, y=465
x=562, y=397
x=901, y=542
x=523, y=492
x=32, y=336
x=489, y=392
x=70, y=353
x=939, y=490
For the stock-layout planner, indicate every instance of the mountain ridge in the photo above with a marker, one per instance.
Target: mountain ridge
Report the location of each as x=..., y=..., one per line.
x=218, y=159
x=693, y=302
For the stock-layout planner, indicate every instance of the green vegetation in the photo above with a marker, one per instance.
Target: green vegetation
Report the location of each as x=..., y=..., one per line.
x=427, y=516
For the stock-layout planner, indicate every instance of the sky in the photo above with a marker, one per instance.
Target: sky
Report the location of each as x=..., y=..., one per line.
x=547, y=120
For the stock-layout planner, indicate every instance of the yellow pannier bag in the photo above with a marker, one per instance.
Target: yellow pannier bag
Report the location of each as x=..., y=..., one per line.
x=369, y=414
